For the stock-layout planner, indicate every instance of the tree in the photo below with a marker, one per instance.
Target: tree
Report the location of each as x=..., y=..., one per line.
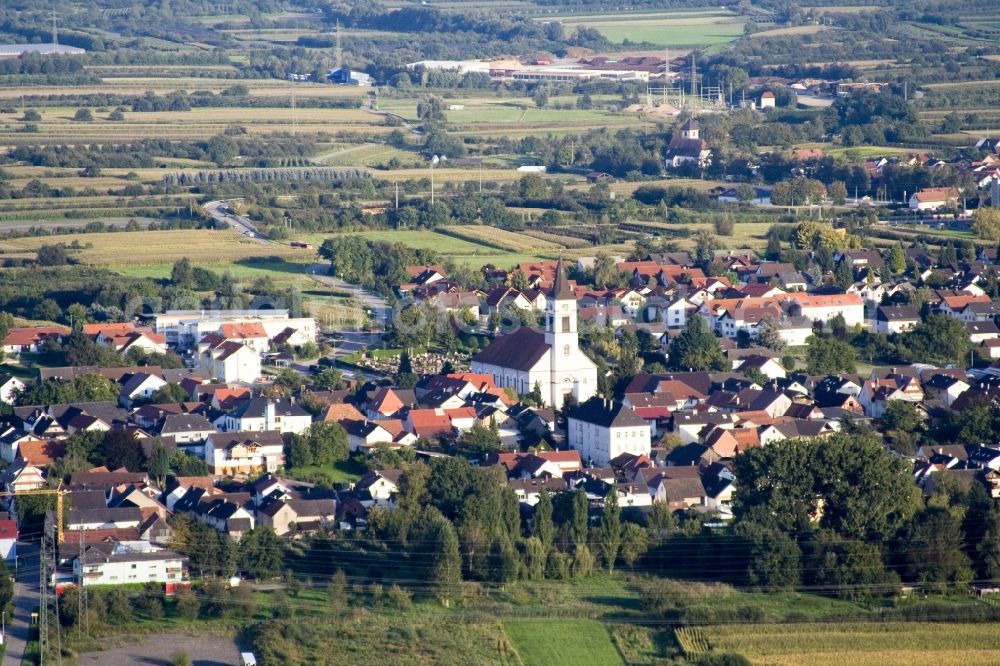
x=986, y=223
x=769, y=335
x=327, y=442
x=580, y=518
x=696, y=348
x=182, y=274
x=774, y=558
x=635, y=542
x=797, y=485
x=120, y=448
x=187, y=604
x=541, y=524
x=828, y=355
x=336, y=591
x=609, y=532
x=932, y=549
x=838, y=192
x=263, y=552
x=446, y=561
x=479, y=440
x=170, y=393
x=52, y=255
x=541, y=96
x=83, y=115
x=939, y=339
x=897, y=259
x=119, y=607
x=158, y=464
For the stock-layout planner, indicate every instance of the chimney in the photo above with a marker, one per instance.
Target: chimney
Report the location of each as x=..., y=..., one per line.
x=269, y=416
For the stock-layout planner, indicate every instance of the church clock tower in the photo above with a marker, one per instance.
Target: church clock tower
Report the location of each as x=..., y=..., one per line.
x=562, y=337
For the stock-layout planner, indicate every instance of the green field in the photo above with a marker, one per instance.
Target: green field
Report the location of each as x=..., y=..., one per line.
x=568, y=642
x=863, y=644
x=672, y=30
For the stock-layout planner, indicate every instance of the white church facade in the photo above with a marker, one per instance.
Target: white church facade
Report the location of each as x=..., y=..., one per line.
x=552, y=359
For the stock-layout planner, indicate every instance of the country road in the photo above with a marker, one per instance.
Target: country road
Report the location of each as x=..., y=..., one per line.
x=26, y=598
x=218, y=211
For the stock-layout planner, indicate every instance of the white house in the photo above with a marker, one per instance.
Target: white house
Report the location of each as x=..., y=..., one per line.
x=552, y=359
x=260, y=414
x=231, y=362
x=601, y=430
x=129, y=562
x=896, y=318
x=934, y=198
x=244, y=452
x=140, y=386
x=10, y=386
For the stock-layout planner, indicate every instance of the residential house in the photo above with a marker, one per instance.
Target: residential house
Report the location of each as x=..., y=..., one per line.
x=231, y=362
x=934, y=198
x=31, y=338
x=891, y=319
x=10, y=387
x=246, y=453
x=601, y=430
x=260, y=414
x=112, y=563
x=296, y=515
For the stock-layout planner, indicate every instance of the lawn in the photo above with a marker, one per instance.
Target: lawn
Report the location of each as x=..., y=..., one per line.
x=345, y=471
x=562, y=641
x=862, y=643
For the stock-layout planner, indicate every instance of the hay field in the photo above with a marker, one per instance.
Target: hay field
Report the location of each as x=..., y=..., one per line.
x=674, y=30
x=861, y=644
x=142, y=248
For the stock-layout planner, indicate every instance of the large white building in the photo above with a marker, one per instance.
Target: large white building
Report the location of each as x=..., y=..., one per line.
x=185, y=328
x=602, y=430
x=129, y=562
x=552, y=359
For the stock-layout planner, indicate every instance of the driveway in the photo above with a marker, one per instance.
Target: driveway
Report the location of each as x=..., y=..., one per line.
x=26, y=598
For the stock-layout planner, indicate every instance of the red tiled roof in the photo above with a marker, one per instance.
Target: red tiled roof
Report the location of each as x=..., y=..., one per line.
x=243, y=331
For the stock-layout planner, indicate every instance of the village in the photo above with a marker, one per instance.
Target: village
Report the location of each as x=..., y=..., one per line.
x=715, y=375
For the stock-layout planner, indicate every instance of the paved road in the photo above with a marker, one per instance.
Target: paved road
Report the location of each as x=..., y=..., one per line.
x=237, y=222
x=381, y=312
x=25, y=601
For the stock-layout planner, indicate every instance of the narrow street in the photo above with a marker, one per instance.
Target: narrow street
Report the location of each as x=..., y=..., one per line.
x=25, y=602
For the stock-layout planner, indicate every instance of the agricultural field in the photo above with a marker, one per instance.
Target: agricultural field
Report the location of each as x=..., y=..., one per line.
x=147, y=248
x=572, y=642
x=864, y=644
x=673, y=29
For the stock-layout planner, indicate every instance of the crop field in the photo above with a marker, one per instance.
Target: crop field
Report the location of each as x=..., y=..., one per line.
x=555, y=641
x=138, y=85
x=564, y=241
x=674, y=30
x=503, y=239
x=144, y=248
x=862, y=644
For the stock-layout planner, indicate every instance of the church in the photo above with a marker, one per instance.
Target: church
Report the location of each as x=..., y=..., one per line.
x=551, y=359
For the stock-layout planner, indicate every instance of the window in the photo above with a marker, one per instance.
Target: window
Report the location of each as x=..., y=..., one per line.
x=565, y=324
x=565, y=350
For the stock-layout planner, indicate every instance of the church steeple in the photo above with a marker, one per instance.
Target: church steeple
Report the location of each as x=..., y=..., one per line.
x=560, y=289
